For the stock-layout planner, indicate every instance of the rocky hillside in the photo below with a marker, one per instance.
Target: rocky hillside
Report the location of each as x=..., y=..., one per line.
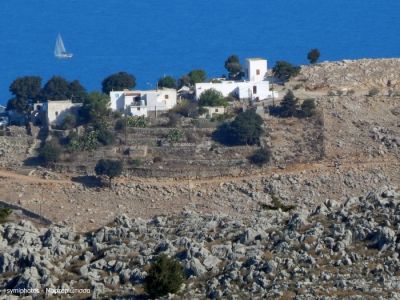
x=353, y=74
x=348, y=250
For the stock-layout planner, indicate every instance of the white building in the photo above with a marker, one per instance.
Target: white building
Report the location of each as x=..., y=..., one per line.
x=55, y=111
x=213, y=111
x=139, y=103
x=254, y=86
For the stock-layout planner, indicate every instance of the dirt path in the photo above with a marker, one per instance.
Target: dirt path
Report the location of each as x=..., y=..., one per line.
x=295, y=168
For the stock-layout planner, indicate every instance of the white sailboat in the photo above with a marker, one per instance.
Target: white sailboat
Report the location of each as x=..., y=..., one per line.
x=59, y=50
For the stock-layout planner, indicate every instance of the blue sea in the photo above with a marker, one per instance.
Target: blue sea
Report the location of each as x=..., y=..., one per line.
x=152, y=38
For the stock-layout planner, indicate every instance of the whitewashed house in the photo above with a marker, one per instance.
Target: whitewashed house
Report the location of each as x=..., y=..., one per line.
x=55, y=111
x=212, y=111
x=141, y=103
x=255, y=86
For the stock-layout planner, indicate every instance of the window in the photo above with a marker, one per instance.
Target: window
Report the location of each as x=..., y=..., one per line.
x=216, y=110
x=257, y=72
x=138, y=108
x=166, y=96
x=56, y=113
x=254, y=89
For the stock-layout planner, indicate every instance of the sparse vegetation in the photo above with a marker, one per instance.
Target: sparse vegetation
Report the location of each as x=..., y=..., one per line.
x=165, y=276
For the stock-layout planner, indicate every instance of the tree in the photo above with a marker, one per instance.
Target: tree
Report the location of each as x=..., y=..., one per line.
x=289, y=105
x=313, y=56
x=212, y=97
x=27, y=87
x=25, y=90
x=197, y=76
x=308, y=108
x=233, y=66
x=55, y=89
x=76, y=92
x=118, y=81
x=245, y=129
x=165, y=276
x=109, y=168
x=167, y=82
x=50, y=152
x=184, y=81
x=95, y=108
x=284, y=70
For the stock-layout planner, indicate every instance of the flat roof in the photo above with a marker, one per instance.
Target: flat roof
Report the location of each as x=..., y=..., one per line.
x=255, y=58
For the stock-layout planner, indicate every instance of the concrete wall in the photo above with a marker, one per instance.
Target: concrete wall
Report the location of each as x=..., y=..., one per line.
x=242, y=89
x=256, y=69
x=57, y=110
x=155, y=100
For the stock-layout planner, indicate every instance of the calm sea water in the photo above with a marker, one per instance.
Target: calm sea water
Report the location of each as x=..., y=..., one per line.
x=150, y=38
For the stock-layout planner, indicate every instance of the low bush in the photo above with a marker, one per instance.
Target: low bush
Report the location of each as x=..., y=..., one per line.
x=4, y=214
x=260, y=157
x=165, y=276
x=308, y=108
x=157, y=159
x=277, y=205
x=106, y=137
x=69, y=122
x=373, y=92
x=50, y=152
x=135, y=162
x=175, y=135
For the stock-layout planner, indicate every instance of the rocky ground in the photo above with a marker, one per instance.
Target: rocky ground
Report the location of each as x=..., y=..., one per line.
x=334, y=251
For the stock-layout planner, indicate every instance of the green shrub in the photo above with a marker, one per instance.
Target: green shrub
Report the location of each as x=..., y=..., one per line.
x=331, y=93
x=50, y=152
x=69, y=122
x=175, y=135
x=106, y=137
x=260, y=157
x=4, y=214
x=157, y=159
x=285, y=70
x=135, y=162
x=212, y=97
x=109, y=168
x=277, y=204
x=245, y=129
x=308, y=108
x=351, y=92
x=139, y=122
x=120, y=125
x=373, y=92
x=165, y=276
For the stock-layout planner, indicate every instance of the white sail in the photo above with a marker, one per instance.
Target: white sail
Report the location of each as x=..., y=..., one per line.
x=59, y=50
